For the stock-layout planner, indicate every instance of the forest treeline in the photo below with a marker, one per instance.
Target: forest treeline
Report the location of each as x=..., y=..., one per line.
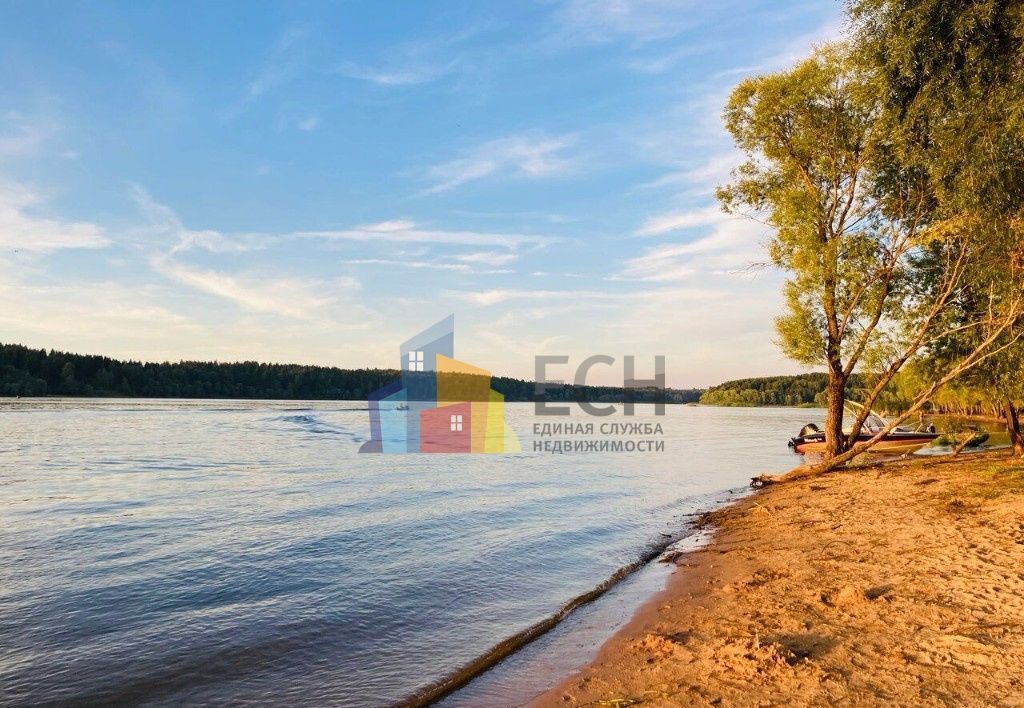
x=39, y=372
x=801, y=390
x=811, y=391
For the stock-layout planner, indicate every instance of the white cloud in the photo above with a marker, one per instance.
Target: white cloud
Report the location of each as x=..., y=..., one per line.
x=530, y=156
x=404, y=231
x=168, y=228
x=731, y=246
x=410, y=75
x=22, y=230
x=800, y=47
x=529, y=215
x=469, y=263
x=491, y=258
x=83, y=309
x=549, y=274
x=432, y=265
x=286, y=57
x=716, y=170
x=595, y=21
x=281, y=64
x=702, y=216
x=390, y=226
x=291, y=297
x=432, y=56
x=494, y=297
x=158, y=322
x=309, y=123
x=22, y=136
x=661, y=63
x=703, y=178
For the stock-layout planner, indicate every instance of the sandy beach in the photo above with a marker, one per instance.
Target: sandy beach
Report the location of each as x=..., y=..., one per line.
x=900, y=584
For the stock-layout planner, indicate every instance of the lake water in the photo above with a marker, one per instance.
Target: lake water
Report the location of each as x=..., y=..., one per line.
x=211, y=552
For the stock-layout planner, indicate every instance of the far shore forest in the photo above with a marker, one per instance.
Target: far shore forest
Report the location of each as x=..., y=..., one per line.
x=38, y=372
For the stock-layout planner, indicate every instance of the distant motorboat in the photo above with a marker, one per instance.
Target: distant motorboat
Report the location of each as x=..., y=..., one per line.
x=900, y=440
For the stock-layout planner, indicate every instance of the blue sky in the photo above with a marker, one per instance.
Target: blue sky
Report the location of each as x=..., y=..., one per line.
x=316, y=182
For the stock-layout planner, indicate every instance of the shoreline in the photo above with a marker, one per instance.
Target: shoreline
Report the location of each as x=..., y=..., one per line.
x=898, y=582
x=456, y=684
x=464, y=675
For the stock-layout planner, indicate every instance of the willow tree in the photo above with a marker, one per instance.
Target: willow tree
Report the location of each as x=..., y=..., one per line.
x=816, y=154
x=951, y=78
x=873, y=270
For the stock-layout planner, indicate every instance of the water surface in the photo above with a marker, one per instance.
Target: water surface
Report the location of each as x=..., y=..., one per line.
x=168, y=552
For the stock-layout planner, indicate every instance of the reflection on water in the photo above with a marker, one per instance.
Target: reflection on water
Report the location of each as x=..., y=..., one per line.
x=187, y=551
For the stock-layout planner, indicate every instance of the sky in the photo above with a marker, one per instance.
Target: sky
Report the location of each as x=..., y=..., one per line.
x=314, y=183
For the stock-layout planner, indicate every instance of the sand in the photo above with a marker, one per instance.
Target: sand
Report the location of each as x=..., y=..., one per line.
x=900, y=584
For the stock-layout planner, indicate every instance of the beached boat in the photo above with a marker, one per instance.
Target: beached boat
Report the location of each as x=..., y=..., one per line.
x=900, y=440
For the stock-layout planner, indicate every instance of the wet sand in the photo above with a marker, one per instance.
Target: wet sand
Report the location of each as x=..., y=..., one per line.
x=900, y=584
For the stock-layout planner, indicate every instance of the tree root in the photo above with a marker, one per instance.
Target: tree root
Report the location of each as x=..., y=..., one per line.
x=797, y=473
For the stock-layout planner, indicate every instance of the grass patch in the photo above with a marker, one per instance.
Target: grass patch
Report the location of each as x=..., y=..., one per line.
x=1002, y=480
x=994, y=481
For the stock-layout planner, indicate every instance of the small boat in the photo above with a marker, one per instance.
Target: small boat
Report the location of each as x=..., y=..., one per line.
x=900, y=440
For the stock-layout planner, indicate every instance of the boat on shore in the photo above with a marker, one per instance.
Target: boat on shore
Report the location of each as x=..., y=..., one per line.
x=900, y=440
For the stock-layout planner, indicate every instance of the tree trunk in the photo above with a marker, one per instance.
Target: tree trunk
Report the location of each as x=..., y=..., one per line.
x=1013, y=426
x=835, y=441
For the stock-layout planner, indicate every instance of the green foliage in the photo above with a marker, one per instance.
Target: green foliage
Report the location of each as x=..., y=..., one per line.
x=952, y=73
x=37, y=372
x=801, y=390
x=822, y=173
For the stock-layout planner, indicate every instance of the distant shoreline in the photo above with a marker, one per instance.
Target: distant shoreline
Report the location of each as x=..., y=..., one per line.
x=30, y=372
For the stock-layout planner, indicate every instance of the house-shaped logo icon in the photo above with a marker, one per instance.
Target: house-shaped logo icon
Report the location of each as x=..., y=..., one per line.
x=439, y=404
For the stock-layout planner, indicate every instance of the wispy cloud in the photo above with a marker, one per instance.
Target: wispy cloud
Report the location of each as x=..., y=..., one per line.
x=800, y=47
x=397, y=262
x=476, y=263
x=286, y=57
x=731, y=246
x=494, y=297
x=167, y=229
x=491, y=258
x=94, y=309
x=21, y=229
x=549, y=217
x=792, y=50
x=408, y=75
x=309, y=123
x=404, y=231
x=595, y=21
x=675, y=221
x=435, y=56
x=666, y=61
x=291, y=297
x=437, y=264
x=281, y=64
x=529, y=156
x=24, y=136
x=702, y=179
